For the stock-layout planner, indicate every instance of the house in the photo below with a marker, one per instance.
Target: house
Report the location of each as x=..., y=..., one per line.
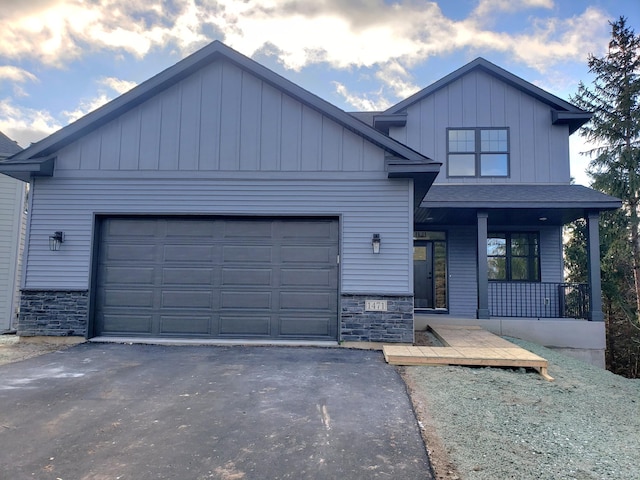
x=219, y=200
x=12, y=223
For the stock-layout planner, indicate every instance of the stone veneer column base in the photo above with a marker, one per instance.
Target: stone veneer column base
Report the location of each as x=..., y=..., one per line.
x=394, y=325
x=57, y=313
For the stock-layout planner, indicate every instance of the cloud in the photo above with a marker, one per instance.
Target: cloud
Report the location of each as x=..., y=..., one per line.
x=85, y=106
x=387, y=37
x=117, y=85
x=25, y=125
x=488, y=8
x=362, y=102
x=15, y=74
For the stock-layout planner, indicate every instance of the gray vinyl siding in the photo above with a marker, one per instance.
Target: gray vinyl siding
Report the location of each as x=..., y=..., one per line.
x=462, y=264
x=11, y=223
x=539, y=151
x=364, y=206
x=463, y=289
x=221, y=118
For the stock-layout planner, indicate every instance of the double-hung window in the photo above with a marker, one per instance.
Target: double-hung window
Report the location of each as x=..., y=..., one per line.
x=477, y=152
x=514, y=256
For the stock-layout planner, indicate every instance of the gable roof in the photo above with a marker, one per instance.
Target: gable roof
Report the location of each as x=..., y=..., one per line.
x=33, y=159
x=8, y=147
x=563, y=112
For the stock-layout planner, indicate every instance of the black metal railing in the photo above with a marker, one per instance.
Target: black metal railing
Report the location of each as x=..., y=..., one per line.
x=538, y=299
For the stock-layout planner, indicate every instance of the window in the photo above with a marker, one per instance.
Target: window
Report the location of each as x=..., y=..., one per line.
x=514, y=256
x=478, y=152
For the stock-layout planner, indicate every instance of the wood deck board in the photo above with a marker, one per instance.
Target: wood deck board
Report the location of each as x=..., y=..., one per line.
x=468, y=346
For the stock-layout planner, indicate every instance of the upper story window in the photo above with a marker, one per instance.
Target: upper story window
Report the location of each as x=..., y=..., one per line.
x=477, y=152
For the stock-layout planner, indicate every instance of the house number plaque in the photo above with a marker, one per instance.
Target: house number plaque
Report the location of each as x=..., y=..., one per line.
x=375, y=305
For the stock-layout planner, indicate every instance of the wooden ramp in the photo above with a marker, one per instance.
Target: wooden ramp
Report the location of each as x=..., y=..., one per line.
x=466, y=346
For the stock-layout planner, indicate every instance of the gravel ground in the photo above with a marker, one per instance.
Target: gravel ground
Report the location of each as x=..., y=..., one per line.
x=495, y=424
x=14, y=349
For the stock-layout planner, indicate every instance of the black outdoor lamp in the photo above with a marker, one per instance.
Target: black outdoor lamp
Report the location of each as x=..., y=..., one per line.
x=375, y=243
x=55, y=241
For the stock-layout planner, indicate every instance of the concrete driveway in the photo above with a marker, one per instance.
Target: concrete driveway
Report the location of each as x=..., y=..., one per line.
x=111, y=411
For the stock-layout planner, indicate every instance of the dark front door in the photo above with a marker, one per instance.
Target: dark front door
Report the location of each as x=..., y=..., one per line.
x=423, y=286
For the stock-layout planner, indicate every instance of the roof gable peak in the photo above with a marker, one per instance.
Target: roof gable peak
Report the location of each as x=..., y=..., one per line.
x=482, y=64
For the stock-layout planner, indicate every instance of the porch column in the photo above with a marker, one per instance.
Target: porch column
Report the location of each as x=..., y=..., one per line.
x=593, y=265
x=483, y=266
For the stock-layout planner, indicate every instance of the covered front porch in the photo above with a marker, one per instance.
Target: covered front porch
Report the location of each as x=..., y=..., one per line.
x=492, y=255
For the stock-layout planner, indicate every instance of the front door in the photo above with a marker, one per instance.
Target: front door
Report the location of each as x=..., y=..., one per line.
x=430, y=270
x=423, y=290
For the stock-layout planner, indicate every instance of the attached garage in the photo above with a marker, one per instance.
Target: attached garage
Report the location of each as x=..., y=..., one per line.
x=212, y=201
x=263, y=278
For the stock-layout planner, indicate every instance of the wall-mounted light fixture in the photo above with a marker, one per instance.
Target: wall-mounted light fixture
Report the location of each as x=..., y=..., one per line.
x=55, y=241
x=375, y=243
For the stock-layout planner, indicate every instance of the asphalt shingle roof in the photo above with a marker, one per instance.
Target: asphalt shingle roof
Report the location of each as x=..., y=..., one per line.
x=517, y=196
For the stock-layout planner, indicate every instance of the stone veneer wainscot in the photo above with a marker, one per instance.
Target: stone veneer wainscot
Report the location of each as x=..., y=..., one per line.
x=394, y=325
x=54, y=313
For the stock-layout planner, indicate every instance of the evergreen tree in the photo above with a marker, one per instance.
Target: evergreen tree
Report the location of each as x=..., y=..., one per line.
x=615, y=130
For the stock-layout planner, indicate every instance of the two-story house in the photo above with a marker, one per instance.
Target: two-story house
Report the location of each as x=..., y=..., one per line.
x=219, y=200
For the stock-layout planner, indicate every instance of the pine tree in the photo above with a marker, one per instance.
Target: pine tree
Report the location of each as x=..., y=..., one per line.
x=614, y=128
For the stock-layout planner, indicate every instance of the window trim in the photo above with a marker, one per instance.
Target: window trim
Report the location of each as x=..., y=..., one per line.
x=478, y=152
x=509, y=256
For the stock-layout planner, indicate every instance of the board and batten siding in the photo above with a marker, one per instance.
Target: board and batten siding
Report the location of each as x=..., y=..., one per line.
x=363, y=206
x=462, y=247
x=539, y=151
x=221, y=118
x=11, y=227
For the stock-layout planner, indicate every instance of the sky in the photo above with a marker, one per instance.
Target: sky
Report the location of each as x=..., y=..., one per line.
x=60, y=59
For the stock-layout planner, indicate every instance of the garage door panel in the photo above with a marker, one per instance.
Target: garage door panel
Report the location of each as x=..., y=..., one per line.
x=126, y=323
x=186, y=299
x=306, y=301
x=246, y=276
x=317, y=277
x=305, y=325
x=316, y=230
x=246, y=300
x=307, y=254
x=218, y=277
x=130, y=298
x=233, y=325
x=130, y=275
x=143, y=252
x=190, y=228
x=194, y=253
x=186, y=325
x=247, y=229
x=248, y=253
x=133, y=227
x=187, y=276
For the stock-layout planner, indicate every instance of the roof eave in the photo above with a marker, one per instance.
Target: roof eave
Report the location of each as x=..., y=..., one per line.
x=26, y=170
x=574, y=119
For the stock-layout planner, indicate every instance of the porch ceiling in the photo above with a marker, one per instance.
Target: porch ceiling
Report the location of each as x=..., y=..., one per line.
x=510, y=204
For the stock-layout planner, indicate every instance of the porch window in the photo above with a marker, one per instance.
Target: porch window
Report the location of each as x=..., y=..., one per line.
x=478, y=152
x=513, y=256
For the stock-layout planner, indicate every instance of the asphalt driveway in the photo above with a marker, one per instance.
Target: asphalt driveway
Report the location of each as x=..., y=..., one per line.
x=111, y=411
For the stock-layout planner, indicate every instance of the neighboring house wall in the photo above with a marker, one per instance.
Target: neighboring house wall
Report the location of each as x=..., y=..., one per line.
x=12, y=194
x=539, y=151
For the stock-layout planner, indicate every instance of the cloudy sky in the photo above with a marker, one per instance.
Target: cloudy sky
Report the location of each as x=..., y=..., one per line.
x=60, y=59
